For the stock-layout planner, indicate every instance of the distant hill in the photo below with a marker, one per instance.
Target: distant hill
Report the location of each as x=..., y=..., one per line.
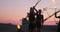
x=7, y=28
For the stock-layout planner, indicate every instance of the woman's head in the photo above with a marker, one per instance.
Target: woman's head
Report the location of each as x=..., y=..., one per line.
x=40, y=11
x=31, y=10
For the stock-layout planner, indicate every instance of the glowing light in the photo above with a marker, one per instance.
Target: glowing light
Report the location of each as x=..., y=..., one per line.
x=28, y=19
x=55, y=6
x=53, y=1
x=18, y=26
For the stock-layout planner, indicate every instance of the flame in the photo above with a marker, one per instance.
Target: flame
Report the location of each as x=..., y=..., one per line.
x=18, y=26
x=28, y=19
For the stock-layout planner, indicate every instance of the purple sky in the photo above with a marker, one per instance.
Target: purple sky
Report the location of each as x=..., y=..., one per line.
x=14, y=10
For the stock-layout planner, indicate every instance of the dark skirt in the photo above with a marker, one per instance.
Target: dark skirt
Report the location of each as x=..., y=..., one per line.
x=38, y=25
x=32, y=25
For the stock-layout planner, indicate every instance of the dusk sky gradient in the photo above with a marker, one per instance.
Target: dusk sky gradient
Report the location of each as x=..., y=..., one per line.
x=12, y=11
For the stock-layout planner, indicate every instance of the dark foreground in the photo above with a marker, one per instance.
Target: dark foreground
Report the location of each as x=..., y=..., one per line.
x=12, y=28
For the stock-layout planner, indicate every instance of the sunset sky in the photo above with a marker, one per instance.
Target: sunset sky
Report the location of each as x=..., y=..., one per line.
x=12, y=11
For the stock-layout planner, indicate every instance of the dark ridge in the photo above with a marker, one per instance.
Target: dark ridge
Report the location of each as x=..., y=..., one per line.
x=7, y=27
